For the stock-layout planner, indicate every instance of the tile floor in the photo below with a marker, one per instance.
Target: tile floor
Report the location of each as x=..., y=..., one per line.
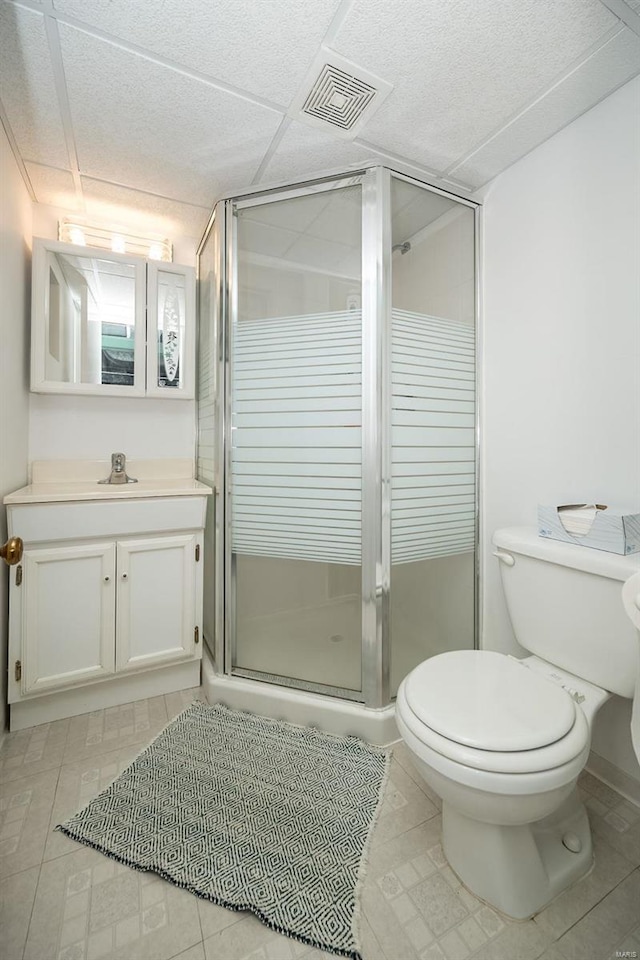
x=63, y=901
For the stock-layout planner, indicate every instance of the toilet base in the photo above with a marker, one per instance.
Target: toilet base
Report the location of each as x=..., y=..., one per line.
x=518, y=869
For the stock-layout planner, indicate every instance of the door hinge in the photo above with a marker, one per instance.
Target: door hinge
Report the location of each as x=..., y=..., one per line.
x=197, y=552
x=18, y=670
x=18, y=575
x=196, y=634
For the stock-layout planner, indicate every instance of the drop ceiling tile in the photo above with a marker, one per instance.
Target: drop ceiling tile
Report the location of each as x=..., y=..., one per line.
x=263, y=47
x=262, y=238
x=53, y=186
x=612, y=65
x=305, y=151
x=293, y=213
x=27, y=87
x=327, y=256
x=155, y=129
x=341, y=218
x=460, y=70
x=123, y=207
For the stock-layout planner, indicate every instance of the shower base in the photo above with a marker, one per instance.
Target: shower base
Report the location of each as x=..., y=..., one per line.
x=320, y=643
x=341, y=717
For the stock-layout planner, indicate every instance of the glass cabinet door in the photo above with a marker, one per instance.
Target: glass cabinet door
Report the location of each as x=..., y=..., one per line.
x=88, y=324
x=170, y=336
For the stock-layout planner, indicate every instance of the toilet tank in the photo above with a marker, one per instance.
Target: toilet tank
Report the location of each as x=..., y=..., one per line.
x=565, y=604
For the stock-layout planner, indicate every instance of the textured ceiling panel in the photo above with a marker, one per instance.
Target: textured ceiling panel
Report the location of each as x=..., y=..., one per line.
x=264, y=47
x=612, y=65
x=304, y=151
x=123, y=207
x=328, y=256
x=292, y=214
x=151, y=128
x=341, y=219
x=52, y=186
x=461, y=69
x=27, y=87
x=279, y=228
x=264, y=239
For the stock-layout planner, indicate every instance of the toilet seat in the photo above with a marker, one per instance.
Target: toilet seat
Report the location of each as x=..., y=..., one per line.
x=487, y=711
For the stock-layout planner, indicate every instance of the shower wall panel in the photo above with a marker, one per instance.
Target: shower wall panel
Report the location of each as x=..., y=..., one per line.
x=433, y=430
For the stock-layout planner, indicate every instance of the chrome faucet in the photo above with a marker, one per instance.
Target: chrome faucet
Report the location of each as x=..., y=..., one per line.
x=118, y=470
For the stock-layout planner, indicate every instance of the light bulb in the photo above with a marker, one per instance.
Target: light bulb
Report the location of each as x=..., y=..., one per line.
x=118, y=243
x=77, y=236
x=155, y=251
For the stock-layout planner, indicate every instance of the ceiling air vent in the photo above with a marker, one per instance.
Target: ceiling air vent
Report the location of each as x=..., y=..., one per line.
x=338, y=96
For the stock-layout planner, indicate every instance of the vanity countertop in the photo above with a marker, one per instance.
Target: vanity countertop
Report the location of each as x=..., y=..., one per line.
x=57, y=481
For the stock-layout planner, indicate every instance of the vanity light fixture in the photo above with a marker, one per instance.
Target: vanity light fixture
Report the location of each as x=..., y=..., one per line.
x=94, y=235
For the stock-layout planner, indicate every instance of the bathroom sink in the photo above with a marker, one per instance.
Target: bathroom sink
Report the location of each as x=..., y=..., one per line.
x=67, y=480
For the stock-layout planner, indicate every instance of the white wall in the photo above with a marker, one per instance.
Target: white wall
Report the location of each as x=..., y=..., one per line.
x=561, y=344
x=15, y=254
x=79, y=428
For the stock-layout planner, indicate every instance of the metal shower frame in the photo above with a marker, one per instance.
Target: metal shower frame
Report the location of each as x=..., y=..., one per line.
x=375, y=181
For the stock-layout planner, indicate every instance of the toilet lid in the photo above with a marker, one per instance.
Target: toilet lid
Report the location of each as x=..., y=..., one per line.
x=489, y=701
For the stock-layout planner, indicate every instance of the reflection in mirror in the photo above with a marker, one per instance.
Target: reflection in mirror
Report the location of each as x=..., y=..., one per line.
x=170, y=327
x=91, y=318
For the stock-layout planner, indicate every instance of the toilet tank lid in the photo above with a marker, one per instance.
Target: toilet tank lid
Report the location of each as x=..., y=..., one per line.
x=489, y=701
x=526, y=541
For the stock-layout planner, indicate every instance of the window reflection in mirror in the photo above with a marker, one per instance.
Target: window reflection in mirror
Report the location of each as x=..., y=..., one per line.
x=91, y=317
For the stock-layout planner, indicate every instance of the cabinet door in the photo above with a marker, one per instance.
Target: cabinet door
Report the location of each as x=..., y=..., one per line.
x=170, y=331
x=68, y=616
x=156, y=603
x=87, y=321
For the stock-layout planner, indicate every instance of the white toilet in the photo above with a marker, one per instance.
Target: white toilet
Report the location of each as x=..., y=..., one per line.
x=503, y=741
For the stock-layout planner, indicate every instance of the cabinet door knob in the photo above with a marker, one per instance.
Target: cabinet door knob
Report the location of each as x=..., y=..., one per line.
x=106, y=579
x=11, y=551
x=125, y=576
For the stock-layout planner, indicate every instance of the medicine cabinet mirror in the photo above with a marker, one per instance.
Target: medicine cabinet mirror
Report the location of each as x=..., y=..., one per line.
x=111, y=325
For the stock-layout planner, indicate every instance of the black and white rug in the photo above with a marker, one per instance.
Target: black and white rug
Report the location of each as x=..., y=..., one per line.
x=252, y=814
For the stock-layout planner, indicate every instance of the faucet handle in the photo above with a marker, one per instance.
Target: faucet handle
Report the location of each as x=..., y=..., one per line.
x=118, y=470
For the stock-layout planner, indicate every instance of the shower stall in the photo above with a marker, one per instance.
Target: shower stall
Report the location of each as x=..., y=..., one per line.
x=338, y=427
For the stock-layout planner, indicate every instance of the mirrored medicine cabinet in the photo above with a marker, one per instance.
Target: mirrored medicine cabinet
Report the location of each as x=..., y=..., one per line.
x=109, y=324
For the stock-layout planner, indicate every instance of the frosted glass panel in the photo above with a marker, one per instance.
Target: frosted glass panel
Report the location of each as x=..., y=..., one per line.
x=296, y=452
x=296, y=386
x=170, y=328
x=433, y=501
x=433, y=437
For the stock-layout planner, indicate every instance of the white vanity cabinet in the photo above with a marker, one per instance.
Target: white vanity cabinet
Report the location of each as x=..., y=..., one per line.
x=105, y=605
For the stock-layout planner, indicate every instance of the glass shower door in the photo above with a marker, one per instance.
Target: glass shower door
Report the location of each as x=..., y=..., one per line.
x=294, y=463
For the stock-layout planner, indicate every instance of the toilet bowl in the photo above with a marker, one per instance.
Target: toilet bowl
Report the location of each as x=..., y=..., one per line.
x=503, y=741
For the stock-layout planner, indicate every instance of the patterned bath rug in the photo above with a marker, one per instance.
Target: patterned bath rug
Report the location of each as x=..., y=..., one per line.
x=252, y=814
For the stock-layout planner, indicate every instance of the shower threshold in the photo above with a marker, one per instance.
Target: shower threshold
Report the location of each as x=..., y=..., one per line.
x=331, y=714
